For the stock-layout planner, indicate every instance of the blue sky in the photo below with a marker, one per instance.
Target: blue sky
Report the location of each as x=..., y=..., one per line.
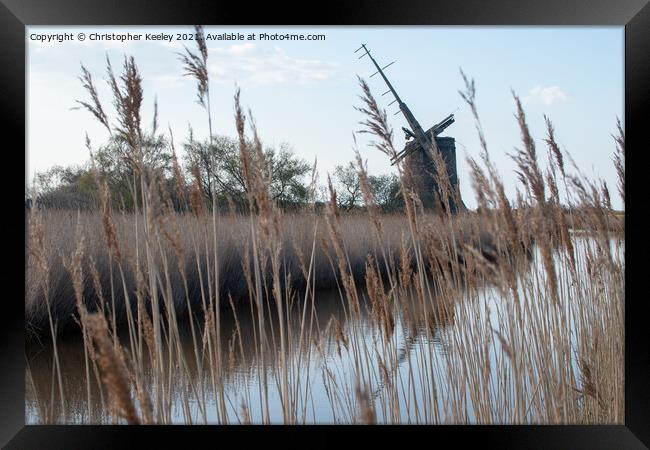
x=304, y=92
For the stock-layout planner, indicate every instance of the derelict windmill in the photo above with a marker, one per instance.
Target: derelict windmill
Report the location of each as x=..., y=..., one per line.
x=417, y=152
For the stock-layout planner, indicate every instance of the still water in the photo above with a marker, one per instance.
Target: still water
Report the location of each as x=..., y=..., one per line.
x=408, y=370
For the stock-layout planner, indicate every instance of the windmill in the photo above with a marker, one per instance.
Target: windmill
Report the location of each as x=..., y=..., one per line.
x=417, y=153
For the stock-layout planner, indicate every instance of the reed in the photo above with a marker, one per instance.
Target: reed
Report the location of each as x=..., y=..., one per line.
x=504, y=315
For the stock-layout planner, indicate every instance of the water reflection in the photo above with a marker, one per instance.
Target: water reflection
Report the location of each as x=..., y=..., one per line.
x=328, y=348
x=311, y=337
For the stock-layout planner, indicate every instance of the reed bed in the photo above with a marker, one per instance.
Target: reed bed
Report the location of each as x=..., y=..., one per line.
x=61, y=228
x=499, y=316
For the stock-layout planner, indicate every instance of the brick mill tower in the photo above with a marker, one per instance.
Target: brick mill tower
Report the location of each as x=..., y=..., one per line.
x=417, y=153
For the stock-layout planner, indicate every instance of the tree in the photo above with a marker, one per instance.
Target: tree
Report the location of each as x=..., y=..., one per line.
x=76, y=186
x=348, y=187
x=121, y=168
x=386, y=189
x=66, y=187
x=287, y=174
x=218, y=166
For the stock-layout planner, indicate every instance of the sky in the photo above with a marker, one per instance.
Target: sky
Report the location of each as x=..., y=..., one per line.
x=304, y=92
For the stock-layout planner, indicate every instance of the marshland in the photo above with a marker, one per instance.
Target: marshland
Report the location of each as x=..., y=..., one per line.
x=179, y=296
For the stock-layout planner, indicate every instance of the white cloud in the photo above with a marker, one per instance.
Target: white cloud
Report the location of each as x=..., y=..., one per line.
x=169, y=80
x=546, y=94
x=248, y=64
x=241, y=49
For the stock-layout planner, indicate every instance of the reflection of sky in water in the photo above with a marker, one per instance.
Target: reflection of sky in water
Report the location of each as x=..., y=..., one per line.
x=417, y=350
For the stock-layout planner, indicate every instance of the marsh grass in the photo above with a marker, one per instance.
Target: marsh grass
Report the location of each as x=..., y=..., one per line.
x=498, y=316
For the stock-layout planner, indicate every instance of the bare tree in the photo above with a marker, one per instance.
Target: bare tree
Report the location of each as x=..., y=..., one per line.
x=348, y=188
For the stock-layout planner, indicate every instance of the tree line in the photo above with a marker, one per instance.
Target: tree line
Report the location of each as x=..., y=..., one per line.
x=210, y=166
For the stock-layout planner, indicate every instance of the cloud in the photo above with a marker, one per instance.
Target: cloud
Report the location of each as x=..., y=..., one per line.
x=546, y=94
x=248, y=64
x=170, y=80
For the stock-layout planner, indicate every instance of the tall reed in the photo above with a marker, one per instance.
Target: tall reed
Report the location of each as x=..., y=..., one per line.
x=503, y=315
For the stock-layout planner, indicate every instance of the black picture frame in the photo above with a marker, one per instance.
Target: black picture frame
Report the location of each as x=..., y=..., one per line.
x=634, y=15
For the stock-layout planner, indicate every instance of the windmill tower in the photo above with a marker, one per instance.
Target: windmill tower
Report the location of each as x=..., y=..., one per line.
x=417, y=153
